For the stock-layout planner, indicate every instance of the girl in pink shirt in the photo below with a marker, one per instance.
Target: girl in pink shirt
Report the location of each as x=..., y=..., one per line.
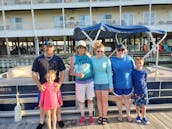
x=50, y=99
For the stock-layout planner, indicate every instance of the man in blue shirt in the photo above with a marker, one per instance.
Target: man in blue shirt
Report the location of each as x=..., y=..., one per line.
x=41, y=65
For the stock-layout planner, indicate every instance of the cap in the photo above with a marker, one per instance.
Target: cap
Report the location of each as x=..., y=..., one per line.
x=49, y=43
x=120, y=46
x=81, y=43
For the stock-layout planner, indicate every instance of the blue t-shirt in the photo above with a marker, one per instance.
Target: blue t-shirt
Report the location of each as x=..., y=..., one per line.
x=122, y=72
x=102, y=71
x=83, y=65
x=139, y=81
x=42, y=64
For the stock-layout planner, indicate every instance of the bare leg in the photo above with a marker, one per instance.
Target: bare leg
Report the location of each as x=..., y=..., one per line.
x=119, y=105
x=90, y=107
x=99, y=103
x=82, y=108
x=105, y=103
x=42, y=115
x=127, y=104
x=143, y=110
x=48, y=114
x=54, y=118
x=138, y=110
x=58, y=113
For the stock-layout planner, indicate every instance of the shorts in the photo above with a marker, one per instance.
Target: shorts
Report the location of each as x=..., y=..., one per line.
x=120, y=92
x=39, y=96
x=140, y=100
x=101, y=86
x=84, y=91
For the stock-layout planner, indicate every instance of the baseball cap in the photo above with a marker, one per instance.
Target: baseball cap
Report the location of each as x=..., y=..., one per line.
x=81, y=43
x=49, y=43
x=120, y=46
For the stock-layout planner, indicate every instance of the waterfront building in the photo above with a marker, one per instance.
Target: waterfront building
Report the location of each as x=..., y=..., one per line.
x=26, y=24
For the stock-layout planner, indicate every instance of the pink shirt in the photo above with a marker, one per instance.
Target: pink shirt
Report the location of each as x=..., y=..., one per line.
x=50, y=99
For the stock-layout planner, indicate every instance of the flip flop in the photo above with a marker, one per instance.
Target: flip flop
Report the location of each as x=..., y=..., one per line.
x=119, y=119
x=99, y=120
x=129, y=119
x=104, y=121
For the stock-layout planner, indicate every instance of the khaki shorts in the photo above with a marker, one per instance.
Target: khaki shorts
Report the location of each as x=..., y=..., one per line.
x=84, y=91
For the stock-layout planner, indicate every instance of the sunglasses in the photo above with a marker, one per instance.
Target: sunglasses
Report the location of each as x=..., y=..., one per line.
x=80, y=47
x=120, y=49
x=99, y=51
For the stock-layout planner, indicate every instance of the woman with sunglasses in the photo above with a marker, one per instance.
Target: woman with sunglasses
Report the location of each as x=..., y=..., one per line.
x=122, y=66
x=102, y=80
x=81, y=68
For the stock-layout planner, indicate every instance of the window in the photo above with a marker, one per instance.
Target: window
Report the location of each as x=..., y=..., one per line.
x=146, y=18
x=16, y=23
x=84, y=21
x=107, y=18
x=127, y=19
x=58, y=21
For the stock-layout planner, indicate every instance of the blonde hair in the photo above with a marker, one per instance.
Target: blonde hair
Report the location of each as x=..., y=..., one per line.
x=51, y=72
x=98, y=45
x=140, y=59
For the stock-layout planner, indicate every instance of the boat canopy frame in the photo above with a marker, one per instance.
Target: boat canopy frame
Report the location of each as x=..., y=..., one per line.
x=102, y=30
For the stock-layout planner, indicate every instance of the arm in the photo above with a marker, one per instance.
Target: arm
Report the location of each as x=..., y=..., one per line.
x=109, y=72
x=146, y=74
x=61, y=79
x=72, y=71
x=36, y=80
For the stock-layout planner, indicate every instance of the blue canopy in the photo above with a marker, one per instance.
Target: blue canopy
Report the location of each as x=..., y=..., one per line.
x=109, y=31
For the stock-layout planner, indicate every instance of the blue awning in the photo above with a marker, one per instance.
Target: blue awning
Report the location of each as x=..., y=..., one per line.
x=109, y=31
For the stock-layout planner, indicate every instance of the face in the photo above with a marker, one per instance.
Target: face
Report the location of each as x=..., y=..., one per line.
x=139, y=65
x=49, y=50
x=120, y=52
x=99, y=52
x=81, y=50
x=50, y=78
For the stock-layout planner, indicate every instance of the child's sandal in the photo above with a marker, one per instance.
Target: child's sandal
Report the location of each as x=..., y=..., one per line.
x=99, y=120
x=104, y=121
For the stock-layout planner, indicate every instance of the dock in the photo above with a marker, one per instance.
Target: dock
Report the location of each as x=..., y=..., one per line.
x=161, y=119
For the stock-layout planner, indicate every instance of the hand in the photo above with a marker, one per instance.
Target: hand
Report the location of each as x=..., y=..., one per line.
x=57, y=88
x=81, y=75
x=41, y=88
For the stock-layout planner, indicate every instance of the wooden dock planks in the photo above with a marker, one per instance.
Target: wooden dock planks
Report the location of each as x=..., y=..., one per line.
x=158, y=120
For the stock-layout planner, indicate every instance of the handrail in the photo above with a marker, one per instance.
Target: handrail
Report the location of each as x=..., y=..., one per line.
x=73, y=92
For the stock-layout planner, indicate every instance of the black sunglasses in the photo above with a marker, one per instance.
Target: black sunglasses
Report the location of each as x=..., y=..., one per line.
x=120, y=49
x=81, y=47
x=100, y=51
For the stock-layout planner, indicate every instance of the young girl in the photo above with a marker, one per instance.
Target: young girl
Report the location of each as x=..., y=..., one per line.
x=50, y=99
x=81, y=68
x=140, y=90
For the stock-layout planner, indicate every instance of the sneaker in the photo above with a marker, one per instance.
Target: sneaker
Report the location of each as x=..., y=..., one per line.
x=82, y=120
x=61, y=124
x=138, y=119
x=145, y=121
x=91, y=120
x=40, y=126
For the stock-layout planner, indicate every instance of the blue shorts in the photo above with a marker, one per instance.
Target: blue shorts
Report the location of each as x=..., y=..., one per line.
x=120, y=92
x=101, y=86
x=39, y=96
x=140, y=100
